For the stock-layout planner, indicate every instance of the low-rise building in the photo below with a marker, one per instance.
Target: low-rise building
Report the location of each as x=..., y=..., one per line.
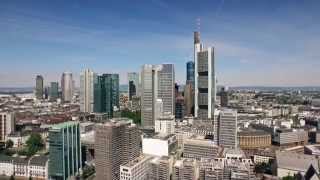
x=254, y=139
x=290, y=163
x=38, y=167
x=6, y=165
x=199, y=148
x=159, y=145
x=137, y=169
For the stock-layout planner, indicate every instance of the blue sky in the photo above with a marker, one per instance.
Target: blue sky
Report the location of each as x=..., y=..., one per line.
x=265, y=42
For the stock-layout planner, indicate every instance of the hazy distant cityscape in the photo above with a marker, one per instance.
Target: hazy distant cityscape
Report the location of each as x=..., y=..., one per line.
x=85, y=120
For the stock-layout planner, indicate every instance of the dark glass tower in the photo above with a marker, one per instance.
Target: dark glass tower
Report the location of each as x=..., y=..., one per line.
x=190, y=73
x=106, y=93
x=132, y=90
x=54, y=91
x=64, y=151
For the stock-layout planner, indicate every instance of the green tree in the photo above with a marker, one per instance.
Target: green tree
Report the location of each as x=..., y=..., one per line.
x=135, y=116
x=288, y=177
x=34, y=143
x=9, y=143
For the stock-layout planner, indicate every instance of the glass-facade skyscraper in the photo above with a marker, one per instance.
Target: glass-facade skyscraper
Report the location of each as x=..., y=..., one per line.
x=54, y=91
x=64, y=150
x=106, y=93
x=190, y=73
x=39, y=87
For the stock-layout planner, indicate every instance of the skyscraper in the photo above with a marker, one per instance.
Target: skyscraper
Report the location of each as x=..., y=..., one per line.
x=205, y=80
x=7, y=124
x=190, y=73
x=87, y=79
x=106, y=93
x=133, y=77
x=157, y=82
x=132, y=90
x=116, y=142
x=224, y=97
x=67, y=86
x=146, y=96
x=64, y=150
x=189, y=99
x=227, y=128
x=54, y=91
x=166, y=87
x=39, y=87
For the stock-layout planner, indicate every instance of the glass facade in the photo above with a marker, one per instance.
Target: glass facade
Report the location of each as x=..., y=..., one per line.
x=106, y=93
x=64, y=151
x=190, y=72
x=54, y=91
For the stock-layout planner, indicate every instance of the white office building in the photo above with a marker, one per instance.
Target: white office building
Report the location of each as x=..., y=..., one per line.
x=87, y=78
x=205, y=80
x=137, y=169
x=227, y=130
x=165, y=124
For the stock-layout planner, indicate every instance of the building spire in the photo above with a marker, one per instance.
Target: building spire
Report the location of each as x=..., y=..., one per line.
x=197, y=32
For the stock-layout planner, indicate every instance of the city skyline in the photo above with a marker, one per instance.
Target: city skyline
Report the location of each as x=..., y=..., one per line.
x=253, y=41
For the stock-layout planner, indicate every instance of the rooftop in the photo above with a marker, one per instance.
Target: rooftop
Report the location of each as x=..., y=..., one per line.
x=295, y=161
x=39, y=160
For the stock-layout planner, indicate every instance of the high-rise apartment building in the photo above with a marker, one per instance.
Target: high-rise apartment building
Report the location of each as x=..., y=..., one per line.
x=39, y=87
x=190, y=73
x=7, y=125
x=106, y=94
x=87, y=80
x=157, y=82
x=185, y=169
x=227, y=128
x=116, y=142
x=54, y=91
x=133, y=82
x=205, y=80
x=147, y=96
x=67, y=86
x=64, y=150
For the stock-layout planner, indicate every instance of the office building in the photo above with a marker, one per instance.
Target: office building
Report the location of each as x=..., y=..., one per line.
x=116, y=142
x=64, y=150
x=87, y=80
x=290, y=137
x=227, y=128
x=189, y=99
x=132, y=90
x=157, y=82
x=67, y=86
x=179, y=107
x=249, y=139
x=159, y=145
x=224, y=97
x=7, y=125
x=205, y=80
x=133, y=82
x=186, y=169
x=199, y=148
x=147, y=96
x=38, y=167
x=106, y=94
x=137, y=169
x=6, y=165
x=54, y=91
x=190, y=73
x=165, y=124
x=161, y=168
x=39, y=87
x=164, y=86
